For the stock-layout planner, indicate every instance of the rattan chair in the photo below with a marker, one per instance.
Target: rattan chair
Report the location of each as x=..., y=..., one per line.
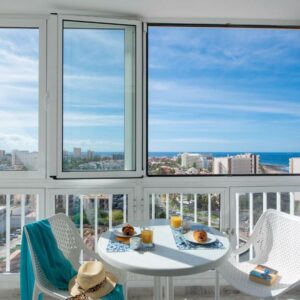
x=72, y=246
x=276, y=244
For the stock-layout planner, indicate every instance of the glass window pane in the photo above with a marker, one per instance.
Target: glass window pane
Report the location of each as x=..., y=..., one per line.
x=98, y=97
x=223, y=101
x=19, y=99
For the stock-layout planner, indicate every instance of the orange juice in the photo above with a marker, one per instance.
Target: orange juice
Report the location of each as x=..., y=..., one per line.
x=176, y=221
x=147, y=236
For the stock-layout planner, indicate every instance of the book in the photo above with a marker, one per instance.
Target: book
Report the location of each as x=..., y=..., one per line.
x=264, y=275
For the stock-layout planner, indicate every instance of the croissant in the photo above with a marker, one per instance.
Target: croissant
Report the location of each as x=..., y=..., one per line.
x=128, y=230
x=200, y=236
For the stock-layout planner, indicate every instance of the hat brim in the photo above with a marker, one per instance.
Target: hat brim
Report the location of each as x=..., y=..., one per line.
x=104, y=290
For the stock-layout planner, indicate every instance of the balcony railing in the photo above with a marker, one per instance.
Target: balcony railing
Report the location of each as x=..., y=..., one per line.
x=16, y=210
x=234, y=210
x=249, y=206
x=194, y=207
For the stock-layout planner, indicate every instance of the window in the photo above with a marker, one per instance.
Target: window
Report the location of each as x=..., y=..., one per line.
x=20, y=145
x=223, y=101
x=98, y=98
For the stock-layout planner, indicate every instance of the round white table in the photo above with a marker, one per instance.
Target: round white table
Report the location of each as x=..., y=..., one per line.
x=166, y=260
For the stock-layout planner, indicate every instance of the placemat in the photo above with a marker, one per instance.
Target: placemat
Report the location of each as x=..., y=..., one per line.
x=184, y=244
x=115, y=246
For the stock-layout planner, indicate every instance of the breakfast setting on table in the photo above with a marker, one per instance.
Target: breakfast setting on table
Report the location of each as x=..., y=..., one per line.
x=186, y=235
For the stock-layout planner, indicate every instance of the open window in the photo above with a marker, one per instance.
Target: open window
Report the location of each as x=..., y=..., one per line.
x=99, y=99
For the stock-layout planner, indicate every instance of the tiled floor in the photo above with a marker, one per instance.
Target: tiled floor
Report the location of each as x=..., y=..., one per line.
x=195, y=293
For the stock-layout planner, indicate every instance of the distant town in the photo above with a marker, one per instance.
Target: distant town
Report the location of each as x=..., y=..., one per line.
x=18, y=161
x=72, y=161
x=203, y=164
x=92, y=161
x=158, y=164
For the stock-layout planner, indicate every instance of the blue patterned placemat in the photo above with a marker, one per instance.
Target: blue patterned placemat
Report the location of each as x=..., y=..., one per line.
x=184, y=244
x=116, y=246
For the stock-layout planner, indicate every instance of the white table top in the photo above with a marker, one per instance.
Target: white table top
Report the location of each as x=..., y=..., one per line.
x=166, y=259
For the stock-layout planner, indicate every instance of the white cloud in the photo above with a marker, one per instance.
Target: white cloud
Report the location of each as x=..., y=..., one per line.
x=87, y=120
x=10, y=142
x=179, y=94
x=19, y=120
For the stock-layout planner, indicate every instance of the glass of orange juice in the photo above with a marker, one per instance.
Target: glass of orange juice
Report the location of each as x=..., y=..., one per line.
x=147, y=236
x=176, y=221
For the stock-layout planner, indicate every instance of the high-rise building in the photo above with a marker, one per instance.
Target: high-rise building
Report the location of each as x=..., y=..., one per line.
x=90, y=154
x=25, y=158
x=189, y=160
x=2, y=153
x=238, y=164
x=77, y=152
x=294, y=165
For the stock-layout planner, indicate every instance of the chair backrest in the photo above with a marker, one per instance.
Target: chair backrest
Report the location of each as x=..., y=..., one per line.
x=277, y=240
x=67, y=237
x=68, y=241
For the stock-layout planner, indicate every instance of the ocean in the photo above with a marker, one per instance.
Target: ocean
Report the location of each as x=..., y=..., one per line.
x=280, y=159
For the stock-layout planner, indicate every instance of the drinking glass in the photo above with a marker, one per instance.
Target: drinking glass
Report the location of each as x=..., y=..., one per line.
x=147, y=236
x=176, y=221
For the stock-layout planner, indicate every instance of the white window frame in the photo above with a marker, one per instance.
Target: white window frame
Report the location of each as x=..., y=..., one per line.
x=135, y=134
x=40, y=23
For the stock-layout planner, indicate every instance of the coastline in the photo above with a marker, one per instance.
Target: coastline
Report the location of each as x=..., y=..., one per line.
x=274, y=169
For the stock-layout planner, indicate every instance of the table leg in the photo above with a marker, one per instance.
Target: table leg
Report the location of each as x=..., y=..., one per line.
x=169, y=288
x=157, y=289
x=217, y=286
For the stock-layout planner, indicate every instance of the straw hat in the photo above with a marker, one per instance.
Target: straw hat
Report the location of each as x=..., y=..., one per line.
x=92, y=281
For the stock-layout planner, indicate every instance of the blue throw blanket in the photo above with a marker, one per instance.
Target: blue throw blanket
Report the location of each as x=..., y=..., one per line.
x=56, y=267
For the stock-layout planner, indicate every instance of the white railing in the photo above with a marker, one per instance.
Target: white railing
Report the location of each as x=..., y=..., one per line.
x=249, y=206
x=16, y=210
x=93, y=214
x=195, y=207
x=234, y=209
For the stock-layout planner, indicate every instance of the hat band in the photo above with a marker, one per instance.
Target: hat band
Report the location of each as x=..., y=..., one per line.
x=82, y=295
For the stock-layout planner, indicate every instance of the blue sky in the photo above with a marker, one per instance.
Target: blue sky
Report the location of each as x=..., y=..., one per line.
x=94, y=89
x=210, y=89
x=19, y=52
x=217, y=89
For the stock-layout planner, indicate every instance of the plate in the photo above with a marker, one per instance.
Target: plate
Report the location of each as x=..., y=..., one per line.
x=210, y=238
x=118, y=232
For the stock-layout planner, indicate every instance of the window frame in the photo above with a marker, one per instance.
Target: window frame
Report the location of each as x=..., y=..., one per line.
x=39, y=23
x=154, y=23
x=136, y=112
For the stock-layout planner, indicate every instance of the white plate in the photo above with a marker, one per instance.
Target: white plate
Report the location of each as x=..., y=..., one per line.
x=118, y=232
x=210, y=238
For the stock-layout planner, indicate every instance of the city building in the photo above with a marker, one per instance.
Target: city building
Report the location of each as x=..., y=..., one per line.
x=238, y=164
x=90, y=154
x=189, y=160
x=294, y=165
x=118, y=156
x=77, y=152
x=2, y=153
x=24, y=158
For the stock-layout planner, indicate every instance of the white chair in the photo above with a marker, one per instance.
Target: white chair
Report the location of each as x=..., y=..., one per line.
x=71, y=244
x=276, y=244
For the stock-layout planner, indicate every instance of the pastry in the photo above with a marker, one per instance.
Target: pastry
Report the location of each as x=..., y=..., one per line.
x=200, y=236
x=128, y=229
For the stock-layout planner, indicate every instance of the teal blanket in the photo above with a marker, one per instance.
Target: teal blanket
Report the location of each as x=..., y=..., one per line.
x=57, y=268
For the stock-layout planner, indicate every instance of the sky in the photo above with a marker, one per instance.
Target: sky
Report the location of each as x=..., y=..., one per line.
x=210, y=89
x=224, y=90
x=94, y=89
x=19, y=53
